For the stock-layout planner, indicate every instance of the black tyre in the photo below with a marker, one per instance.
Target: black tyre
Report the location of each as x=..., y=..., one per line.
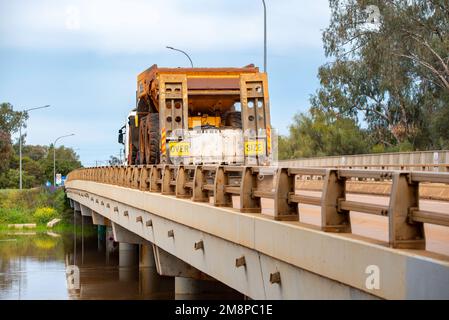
x=142, y=140
x=234, y=119
x=152, y=139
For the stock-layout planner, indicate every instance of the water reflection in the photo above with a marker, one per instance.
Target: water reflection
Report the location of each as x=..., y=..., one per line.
x=46, y=265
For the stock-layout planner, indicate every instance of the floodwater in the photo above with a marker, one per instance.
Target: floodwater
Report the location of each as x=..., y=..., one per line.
x=81, y=264
x=46, y=265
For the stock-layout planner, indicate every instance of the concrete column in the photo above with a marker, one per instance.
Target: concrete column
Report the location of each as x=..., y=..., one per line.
x=128, y=261
x=188, y=288
x=111, y=245
x=76, y=206
x=153, y=284
x=146, y=256
x=101, y=237
x=127, y=255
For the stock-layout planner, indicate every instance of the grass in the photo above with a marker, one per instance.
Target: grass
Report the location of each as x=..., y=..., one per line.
x=37, y=205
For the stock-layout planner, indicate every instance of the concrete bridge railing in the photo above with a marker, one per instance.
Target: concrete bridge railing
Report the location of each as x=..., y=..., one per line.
x=252, y=184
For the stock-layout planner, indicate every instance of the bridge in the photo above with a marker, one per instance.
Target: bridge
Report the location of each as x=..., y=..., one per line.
x=259, y=231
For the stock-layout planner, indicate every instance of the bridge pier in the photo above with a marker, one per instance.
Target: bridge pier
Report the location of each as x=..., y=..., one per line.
x=76, y=206
x=128, y=261
x=188, y=288
x=146, y=256
x=150, y=281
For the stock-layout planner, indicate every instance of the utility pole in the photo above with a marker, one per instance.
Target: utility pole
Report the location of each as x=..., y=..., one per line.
x=188, y=57
x=54, y=156
x=264, y=36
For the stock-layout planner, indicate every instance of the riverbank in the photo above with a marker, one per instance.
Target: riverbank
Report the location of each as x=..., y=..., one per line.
x=37, y=205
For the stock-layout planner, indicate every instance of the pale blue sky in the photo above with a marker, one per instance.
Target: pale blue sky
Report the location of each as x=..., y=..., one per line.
x=82, y=57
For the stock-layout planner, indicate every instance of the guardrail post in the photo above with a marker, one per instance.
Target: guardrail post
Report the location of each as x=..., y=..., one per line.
x=221, y=198
x=107, y=175
x=114, y=175
x=121, y=176
x=181, y=191
x=154, y=176
x=284, y=185
x=198, y=194
x=135, y=179
x=333, y=218
x=248, y=203
x=128, y=175
x=403, y=199
x=167, y=188
x=144, y=179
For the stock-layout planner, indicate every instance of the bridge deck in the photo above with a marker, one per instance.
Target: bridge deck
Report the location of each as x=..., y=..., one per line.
x=297, y=250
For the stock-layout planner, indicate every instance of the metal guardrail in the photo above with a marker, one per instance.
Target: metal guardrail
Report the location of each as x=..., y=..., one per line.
x=413, y=161
x=251, y=184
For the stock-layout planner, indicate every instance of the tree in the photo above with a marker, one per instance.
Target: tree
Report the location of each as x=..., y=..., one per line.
x=114, y=161
x=10, y=121
x=322, y=134
x=66, y=161
x=397, y=77
x=5, y=150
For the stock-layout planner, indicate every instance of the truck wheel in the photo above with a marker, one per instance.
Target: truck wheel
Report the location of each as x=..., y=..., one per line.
x=152, y=138
x=234, y=119
x=142, y=140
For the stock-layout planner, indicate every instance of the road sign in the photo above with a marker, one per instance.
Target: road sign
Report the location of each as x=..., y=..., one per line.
x=58, y=179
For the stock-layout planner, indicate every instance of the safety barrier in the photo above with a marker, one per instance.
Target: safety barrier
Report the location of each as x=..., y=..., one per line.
x=437, y=160
x=199, y=183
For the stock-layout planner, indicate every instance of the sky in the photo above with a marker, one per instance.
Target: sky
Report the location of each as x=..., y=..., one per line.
x=82, y=58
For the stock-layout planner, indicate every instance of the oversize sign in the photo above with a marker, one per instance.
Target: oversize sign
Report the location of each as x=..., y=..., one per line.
x=179, y=149
x=255, y=148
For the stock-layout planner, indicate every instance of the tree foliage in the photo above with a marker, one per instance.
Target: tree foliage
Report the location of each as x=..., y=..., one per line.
x=37, y=161
x=397, y=77
x=322, y=134
x=10, y=121
x=114, y=161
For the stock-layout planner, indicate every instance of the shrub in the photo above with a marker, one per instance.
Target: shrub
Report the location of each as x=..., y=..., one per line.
x=14, y=215
x=44, y=215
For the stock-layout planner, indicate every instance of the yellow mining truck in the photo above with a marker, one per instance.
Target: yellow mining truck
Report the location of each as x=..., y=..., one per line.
x=199, y=116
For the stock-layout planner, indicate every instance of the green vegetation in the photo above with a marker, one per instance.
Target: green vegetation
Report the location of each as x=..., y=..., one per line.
x=38, y=205
x=37, y=161
x=387, y=88
x=44, y=215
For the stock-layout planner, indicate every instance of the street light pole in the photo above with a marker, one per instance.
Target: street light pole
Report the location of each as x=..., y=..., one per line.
x=20, y=141
x=171, y=48
x=54, y=156
x=264, y=36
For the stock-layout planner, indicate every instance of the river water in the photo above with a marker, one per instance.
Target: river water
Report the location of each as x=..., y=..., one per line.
x=46, y=265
